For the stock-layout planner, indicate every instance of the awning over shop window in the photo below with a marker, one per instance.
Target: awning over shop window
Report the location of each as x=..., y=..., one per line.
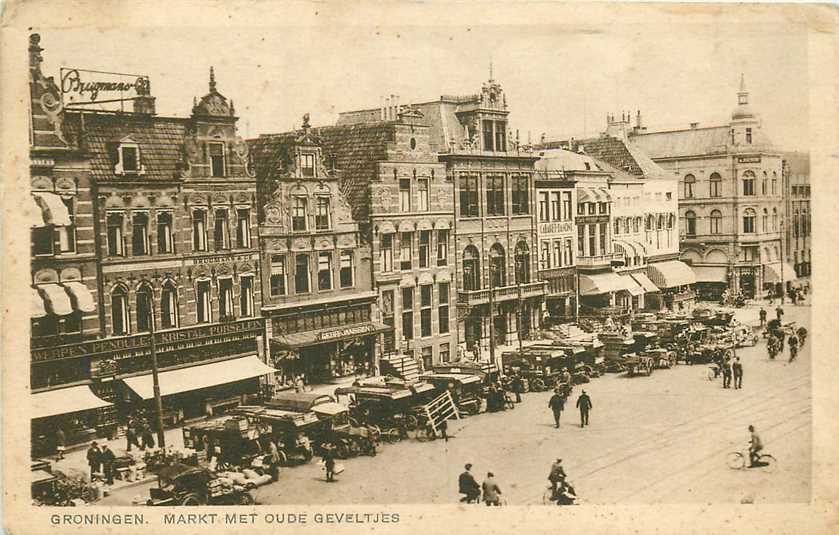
x=53, y=209
x=631, y=286
x=56, y=299
x=671, y=274
x=65, y=401
x=711, y=273
x=601, y=283
x=604, y=196
x=197, y=377
x=38, y=310
x=773, y=272
x=645, y=282
x=297, y=341
x=80, y=296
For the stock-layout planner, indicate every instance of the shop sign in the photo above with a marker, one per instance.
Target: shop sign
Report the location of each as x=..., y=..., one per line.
x=220, y=259
x=130, y=346
x=556, y=227
x=343, y=333
x=80, y=86
x=748, y=159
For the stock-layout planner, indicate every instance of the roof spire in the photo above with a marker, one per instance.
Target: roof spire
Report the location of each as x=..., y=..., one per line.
x=490, y=68
x=742, y=82
x=212, y=80
x=743, y=94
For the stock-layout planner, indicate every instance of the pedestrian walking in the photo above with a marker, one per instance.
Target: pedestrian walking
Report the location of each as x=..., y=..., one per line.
x=492, y=492
x=737, y=370
x=585, y=405
x=131, y=434
x=726, y=373
x=60, y=444
x=518, y=386
x=329, y=463
x=762, y=315
x=94, y=459
x=108, y=459
x=148, y=436
x=779, y=312
x=557, y=405
x=468, y=486
x=793, y=347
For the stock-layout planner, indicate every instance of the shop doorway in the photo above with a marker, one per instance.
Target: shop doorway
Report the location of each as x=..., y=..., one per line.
x=500, y=326
x=472, y=328
x=525, y=322
x=747, y=285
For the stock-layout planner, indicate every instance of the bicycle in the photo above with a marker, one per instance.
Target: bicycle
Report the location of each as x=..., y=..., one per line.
x=738, y=460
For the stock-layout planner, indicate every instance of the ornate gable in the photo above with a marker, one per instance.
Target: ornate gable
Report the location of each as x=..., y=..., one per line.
x=213, y=104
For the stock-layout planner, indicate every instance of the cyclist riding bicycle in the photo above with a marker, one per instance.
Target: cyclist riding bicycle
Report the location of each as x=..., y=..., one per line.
x=755, y=446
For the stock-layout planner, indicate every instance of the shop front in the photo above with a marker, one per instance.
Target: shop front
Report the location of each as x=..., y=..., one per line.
x=778, y=277
x=711, y=282
x=76, y=410
x=676, y=280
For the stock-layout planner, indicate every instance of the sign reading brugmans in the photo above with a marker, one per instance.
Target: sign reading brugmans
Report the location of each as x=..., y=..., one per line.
x=80, y=86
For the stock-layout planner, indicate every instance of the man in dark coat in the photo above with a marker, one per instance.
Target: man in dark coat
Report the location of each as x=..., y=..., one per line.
x=468, y=486
x=762, y=316
x=726, y=373
x=556, y=475
x=585, y=405
x=737, y=369
x=108, y=459
x=131, y=434
x=557, y=405
x=94, y=459
x=779, y=313
x=329, y=463
x=518, y=387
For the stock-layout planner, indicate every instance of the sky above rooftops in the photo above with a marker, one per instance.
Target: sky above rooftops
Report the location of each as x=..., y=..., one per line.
x=560, y=80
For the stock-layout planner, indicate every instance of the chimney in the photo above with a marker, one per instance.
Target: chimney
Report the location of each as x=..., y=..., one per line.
x=396, y=108
x=638, y=119
x=144, y=102
x=391, y=114
x=693, y=126
x=381, y=107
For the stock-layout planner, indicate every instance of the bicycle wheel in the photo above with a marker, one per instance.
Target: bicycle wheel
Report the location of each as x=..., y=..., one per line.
x=547, y=497
x=735, y=460
x=768, y=463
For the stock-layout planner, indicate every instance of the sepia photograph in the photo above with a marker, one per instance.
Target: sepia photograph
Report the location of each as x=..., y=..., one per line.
x=463, y=263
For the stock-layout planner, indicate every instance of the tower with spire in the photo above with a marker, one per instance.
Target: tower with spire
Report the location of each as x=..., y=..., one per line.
x=745, y=123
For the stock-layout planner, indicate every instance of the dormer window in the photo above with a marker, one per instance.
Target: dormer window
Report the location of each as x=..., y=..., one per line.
x=307, y=164
x=128, y=159
x=217, y=159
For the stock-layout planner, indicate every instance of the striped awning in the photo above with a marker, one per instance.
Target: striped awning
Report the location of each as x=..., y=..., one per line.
x=630, y=285
x=65, y=401
x=779, y=271
x=56, y=299
x=645, y=282
x=671, y=274
x=601, y=283
x=53, y=210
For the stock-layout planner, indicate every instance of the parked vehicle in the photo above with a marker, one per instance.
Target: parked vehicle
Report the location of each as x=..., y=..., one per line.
x=181, y=484
x=387, y=404
x=540, y=366
x=638, y=364
x=466, y=389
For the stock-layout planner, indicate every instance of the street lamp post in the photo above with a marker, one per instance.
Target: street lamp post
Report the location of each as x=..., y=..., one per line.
x=491, y=316
x=783, y=221
x=523, y=269
x=158, y=403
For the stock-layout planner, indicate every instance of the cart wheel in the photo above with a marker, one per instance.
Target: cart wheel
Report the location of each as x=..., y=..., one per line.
x=192, y=499
x=246, y=499
x=375, y=432
x=307, y=455
x=283, y=458
x=342, y=450
x=392, y=436
x=411, y=422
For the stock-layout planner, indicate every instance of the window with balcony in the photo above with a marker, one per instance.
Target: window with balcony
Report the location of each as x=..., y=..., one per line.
x=422, y=195
x=569, y=253
x=221, y=230
x=139, y=234
x=278, y=275
x=164, y=233
x=203, y=302
x=748, y=183
x=120, y=319
x=443, y=247
x=690, y=183
x=115, y=222
x=581, y=240
x=716, y=222
x=424, y=248
x=690, y=224
x=443, y=289
x=246, y=296
x=199, y=230
x=592, y=208
x=497, y=266
x=521, y=195
x=387, y=252
x=406, y=244
x=749, y=221
x=322, y=215
x=217, y=159
x=408, y=313
x=495, y=195
x=225, y=299
x=307, y=165
x=346, y=274
x=301, y=274
x=389, y=342
x=543, y=207
x=468, y=196
x=592, y=238
x=298, y=214
x=471, y=268
x=425, y=310
x=243, y=228
x=169, y=306
x=324, y=270
x=405, y=195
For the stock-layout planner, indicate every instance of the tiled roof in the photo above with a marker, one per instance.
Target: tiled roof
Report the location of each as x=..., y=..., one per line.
x=619, y=154
x=160, y=139
x=692, y=142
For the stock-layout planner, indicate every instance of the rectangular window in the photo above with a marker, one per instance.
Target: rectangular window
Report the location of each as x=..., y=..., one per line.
x=581, y=208
x=387, y=252
x=469, y=196
x=748, y=186
x=324, y=270
x=545, y=257
x=203, y=303
x=602, y=208
x=225, y=299
x=495, y=195
x=566, y=205
x=442, y=247
x=278, y=275
x=557, y=254
x=245, y=296
x=543, y=206
x=389, y=342
x=298, y=214
x=569, y=253
x=307, y=164
x=301, y=274
x=139, y=234
x=425, y=310
x=592, y=249
x=521, y=195
x=422, y=194
x=322, y=216
x=346, y=269
x=488, y=135
x=592, y=208
x=67, y=234
x=581, y=240
x=602, y=227
x=443, y=307
x=748, y=135
x=444, y=352
x=217, y=159
x=427, y=357
x=404, y=195
x=221, y=230
x=408, y=313
x=424, y=248
x=500, y=136
x=243, y=228
x=164, y=232
x=715, y=187
x=556, y=215
x=199, y=230
x=405, y=247
x=130, y=159
x=115, y=245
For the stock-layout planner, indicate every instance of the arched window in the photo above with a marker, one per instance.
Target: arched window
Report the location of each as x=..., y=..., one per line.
x=120, y=319
x=145, y=302
x=774, y=219
x=671, y=220
x=716, y=185
x=626, y=224
x=497, y=266
x=621, y=251
x=650, y=223
x=716, y=222
x=690, y=182
x=617, y=226
x=690, y=224
x=522, y=263
x=764, y=184
x=471, y=268
x=748, y=183
x=749, y=221
x=636, y=224
x=169, y=306
x=764, y=227
x=774, y=182
x=660, y=225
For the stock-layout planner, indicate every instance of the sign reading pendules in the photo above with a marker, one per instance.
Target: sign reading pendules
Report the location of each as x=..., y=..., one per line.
x=82, y=87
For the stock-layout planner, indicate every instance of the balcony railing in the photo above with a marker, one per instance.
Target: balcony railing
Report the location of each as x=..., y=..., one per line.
x=598, y=260
x=502, y=293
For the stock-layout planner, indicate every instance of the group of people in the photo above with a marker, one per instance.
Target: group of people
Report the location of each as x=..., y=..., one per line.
x=101, y=462
x=472, y=492
x=778, y=335
x=139, y=432
x=732, y=368
x=557, y=405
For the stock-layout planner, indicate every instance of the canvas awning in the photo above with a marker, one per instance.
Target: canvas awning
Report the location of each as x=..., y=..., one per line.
x=774, y=272
x=53, y=210
x=711, y=273
x=56, y=299
x=38, y=310
x=296, y=341
x=631, y=286
x=671, y=274
x=65, y=401
x=329, y=409
x=197, y=377
x=600, y=283
x=645, y=282
x=80, y=296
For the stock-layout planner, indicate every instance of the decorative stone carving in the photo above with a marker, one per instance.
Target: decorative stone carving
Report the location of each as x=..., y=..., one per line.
x=65, y=184
x=41, y=183
x=301, y=244
x=220, y=199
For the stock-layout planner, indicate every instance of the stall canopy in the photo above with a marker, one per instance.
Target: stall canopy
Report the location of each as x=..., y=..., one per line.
x=52, y=210
x=65, y=401
x=775, y=271
x=197, y=377
x=671, y=274
x=631, y=286
x=711, y=273
x=600, y=283
x=56, y=299
x=645, y=282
